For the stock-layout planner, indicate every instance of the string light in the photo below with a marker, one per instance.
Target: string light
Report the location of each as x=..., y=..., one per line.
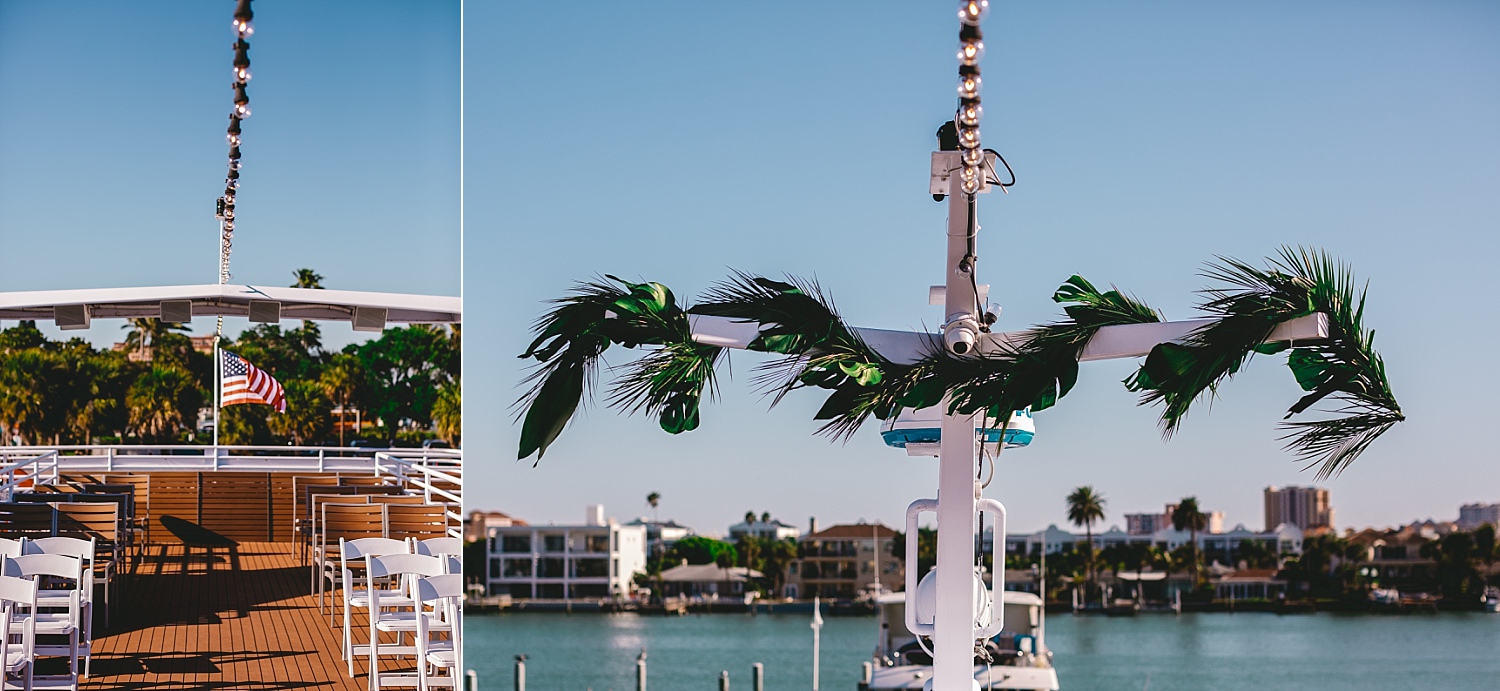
x=243, y=29
x=970, y=51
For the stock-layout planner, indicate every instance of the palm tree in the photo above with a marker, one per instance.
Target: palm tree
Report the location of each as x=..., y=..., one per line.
x=749, y=517
x=340, y=382
x=26, y=383
x=306, y=417
x=447, y=415
x=309, y=336
x=146, y=331
x=654, y=499
x=160, y=402
x=1485, y=544
x=1084, y=507
x=765, y=517
x=1187, y=517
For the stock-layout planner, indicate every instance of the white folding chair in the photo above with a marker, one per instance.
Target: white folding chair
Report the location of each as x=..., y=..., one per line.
x=80, y=549
x=70, y=623
x=446, y=595
x=405, y=568
x=20, y=657
x=351, y=552
x=450, y=548
x=434, y=546
x=12, y=548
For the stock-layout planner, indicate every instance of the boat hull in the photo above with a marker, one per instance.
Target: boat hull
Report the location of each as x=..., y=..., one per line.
x=993, y=677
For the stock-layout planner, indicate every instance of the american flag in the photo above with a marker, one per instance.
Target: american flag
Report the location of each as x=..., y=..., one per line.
x=244, y=383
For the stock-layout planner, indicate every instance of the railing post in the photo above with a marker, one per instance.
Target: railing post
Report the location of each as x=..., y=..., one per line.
x=471, y=681
x=640, y=671
x=520, y=673
x=758, y=676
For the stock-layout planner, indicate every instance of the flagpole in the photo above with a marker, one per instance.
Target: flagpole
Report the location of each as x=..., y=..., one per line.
x=218, y=382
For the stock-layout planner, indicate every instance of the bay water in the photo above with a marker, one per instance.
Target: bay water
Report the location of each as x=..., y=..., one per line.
x=1232, y=652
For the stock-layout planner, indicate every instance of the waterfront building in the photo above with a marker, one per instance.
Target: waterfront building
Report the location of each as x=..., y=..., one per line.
x=1304, y=507
x=595, y=561
x=661, y=535
x=709, y=581
x=1471, y=516
x=1395, y=556
x=839, y=561
x=1222, y=546
x=1149, y=523
x=478, y=523
x=1250, y=584
x=766, y=529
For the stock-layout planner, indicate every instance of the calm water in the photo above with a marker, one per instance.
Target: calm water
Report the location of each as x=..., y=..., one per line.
x=1195, y=651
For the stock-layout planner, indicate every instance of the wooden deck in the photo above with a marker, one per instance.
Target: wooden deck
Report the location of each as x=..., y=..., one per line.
x=242, y=619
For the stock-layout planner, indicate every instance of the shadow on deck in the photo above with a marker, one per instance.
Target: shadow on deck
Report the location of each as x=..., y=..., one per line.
x=216, y=614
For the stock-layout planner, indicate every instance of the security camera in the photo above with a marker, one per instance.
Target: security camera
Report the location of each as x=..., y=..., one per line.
x=960, y=335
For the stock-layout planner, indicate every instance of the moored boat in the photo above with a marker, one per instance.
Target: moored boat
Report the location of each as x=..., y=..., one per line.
x=1015, y=658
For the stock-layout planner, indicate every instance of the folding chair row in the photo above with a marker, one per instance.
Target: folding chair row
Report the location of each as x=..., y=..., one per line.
x=48, y=590
x=98, y=524
x=380, y=519
x=405, y=606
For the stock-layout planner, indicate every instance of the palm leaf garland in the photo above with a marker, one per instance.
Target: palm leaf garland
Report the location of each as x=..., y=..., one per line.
x=1253, y=303
x=1044, y=364
x=572, y=337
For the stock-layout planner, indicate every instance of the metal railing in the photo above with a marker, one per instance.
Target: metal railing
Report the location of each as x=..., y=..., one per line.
x=124, y=458
x=22, y=467
x=431, y=471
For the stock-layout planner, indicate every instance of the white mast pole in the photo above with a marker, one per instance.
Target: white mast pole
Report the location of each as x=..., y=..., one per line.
x=953, y=620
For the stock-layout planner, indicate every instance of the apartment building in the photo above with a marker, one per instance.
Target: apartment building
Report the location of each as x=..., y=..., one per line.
x=839, y=561
x=592, y=561
x=1307, y=508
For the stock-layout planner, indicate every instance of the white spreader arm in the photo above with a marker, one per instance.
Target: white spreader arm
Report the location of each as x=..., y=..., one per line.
x=1110, y=343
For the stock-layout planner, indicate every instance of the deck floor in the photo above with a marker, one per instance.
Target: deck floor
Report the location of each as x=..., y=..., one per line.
x=240, y=620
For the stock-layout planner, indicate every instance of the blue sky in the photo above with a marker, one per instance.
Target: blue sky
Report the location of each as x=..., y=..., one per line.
x=673, y=141
x=112, y=148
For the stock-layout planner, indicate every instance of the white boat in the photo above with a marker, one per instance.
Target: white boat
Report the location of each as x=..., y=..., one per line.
x=1018, y=655
x=1492, y=600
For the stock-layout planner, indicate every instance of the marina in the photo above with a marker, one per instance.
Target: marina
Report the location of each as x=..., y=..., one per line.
x=1228, y=652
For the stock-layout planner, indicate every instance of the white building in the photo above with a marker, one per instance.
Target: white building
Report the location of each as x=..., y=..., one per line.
x=1284, y=539
x=773, y=529
x=1471, y=516
x=593, y=561
x=660, y=535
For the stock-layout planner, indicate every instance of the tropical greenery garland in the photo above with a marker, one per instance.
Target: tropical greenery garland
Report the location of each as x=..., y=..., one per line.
x=798, y=321
x=1249, y=307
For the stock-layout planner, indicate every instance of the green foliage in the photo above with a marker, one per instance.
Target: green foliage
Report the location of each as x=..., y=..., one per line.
x=163, y=402
x=1251, y=303
x=571, y=338
x=697, y=549
x=797, y=320
x=926, y=549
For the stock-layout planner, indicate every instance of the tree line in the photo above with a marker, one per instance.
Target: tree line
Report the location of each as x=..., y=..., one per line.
x=404, y=385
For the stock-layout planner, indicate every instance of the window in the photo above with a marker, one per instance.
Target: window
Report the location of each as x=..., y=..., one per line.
x=517, y=568
x=553, y=591
x=589, y=590
x=515, y=544
x=590, y=568
x=494, y=568
x=551, y=567
x=554, y=543
x=596, y=543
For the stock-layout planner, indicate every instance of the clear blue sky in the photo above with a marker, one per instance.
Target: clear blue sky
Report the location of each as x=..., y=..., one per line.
x=112, y=149
x=671, y=141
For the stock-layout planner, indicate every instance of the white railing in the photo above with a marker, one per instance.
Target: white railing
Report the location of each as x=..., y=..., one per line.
x=187, y=458
x=25, y=466
x=432, y=471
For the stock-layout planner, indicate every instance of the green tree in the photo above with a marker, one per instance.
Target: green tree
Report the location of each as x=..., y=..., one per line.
x=404, y=371
x=447, y=413
x=1486, y=548
x=307, y=418
x=654, y=499
x=146, y=332
x=1187, y=517
x=697, y=549
x=1084, y=507
x=161, y=401
x=926, y=550
x=341, y=381
x=22, y=336
x=29, y=380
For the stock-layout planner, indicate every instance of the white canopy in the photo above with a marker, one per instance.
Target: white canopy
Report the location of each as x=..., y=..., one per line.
x=214, y=300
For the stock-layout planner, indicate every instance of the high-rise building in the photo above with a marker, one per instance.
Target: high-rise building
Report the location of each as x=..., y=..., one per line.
x=1471, y=516
x=1304, y=507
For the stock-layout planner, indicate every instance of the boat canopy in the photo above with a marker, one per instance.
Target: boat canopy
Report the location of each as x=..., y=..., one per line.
x=74, y=308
